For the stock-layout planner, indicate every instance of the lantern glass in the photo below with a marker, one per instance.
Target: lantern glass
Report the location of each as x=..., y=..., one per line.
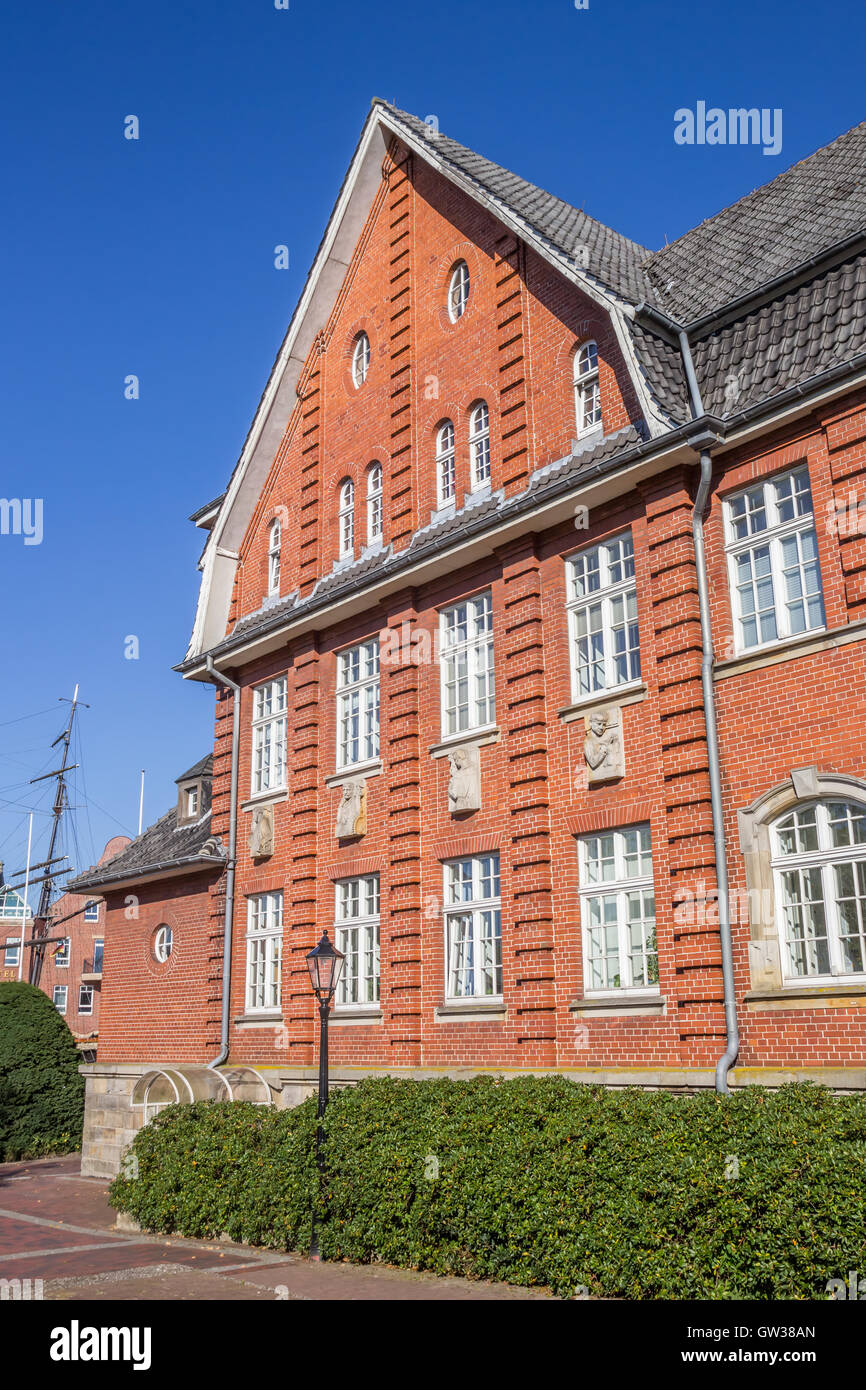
x=325, y=964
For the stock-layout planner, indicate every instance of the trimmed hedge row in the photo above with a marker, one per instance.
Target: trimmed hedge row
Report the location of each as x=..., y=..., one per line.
x=41, y=1091
x=537, y=1181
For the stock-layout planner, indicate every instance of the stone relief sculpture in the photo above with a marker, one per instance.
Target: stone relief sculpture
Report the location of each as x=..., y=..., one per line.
x=262, y=832
x=603, y=747
x=352, y=810
x=464, y=784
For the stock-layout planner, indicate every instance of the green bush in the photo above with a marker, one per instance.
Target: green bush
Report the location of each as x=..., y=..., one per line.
x=537, y=1181
x=41, y=1091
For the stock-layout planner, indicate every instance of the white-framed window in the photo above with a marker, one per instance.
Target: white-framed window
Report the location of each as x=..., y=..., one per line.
x=192, y=801
x=163, y=943
x=346, y=517
x=445, y=468
x=264, y=951
x=61, y=955
x=466, y=661
x=269, y=736
x=374, y=503
x=275, y=545
x=358, y=704
x=11, y=952
x=773, y=567
x=602, y=616
x=587, y=393
x=617, y=911
x=11, y=904
x=479, y=445
x=356, y=933
x=360, y=360
x=818, y=856
x=91, y=912
x=59, y=998
x=458, y=291
x=85, y=999
x=473, y=928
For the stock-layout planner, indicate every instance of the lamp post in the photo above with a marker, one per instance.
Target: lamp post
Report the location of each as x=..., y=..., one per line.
x=325, y=964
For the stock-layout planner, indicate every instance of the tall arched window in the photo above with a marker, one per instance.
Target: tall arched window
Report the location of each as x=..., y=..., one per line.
x=458, y=291
x=360, y=359
x=274, y=549
x=445, y=478
x=347, y=517
x=587, y=396
x=374, y=503
x=479, y=444
x=819, y=866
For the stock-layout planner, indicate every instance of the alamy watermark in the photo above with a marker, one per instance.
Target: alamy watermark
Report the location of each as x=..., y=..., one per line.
x=22, y=516
x=736, y=126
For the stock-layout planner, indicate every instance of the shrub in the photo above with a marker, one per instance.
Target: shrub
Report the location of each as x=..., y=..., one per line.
x=41, y=1091
x=537, y=1181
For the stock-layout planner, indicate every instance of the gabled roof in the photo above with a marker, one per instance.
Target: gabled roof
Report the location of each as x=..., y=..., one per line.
x=805, y=210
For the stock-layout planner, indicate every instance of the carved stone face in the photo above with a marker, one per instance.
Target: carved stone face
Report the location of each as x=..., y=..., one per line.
x=598, y=724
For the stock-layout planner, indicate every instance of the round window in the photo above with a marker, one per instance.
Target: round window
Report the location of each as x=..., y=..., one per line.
x=163, y=942
x=458, y=291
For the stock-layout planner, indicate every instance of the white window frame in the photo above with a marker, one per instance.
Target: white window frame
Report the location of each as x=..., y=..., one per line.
x=12, y=947
x=464, y=882
x=275, y=546
x=822, y=862
x=741, y=510
x=91, y=912
x=98, y=941
x=587, y=391
x=346, y=518
x=473, y=655
x=479, y=446
x=63, y=991
x=360, y=360
x=192, y=801
x=375, y=515
x=62, y=955
x=85, y=991
x=269, y=727
x=358, y=678
x=459, y=288
x=356, y=934
x=610, y=566
x=617, y=890
x=264, y=954
x=446, y=467
x=163, y=942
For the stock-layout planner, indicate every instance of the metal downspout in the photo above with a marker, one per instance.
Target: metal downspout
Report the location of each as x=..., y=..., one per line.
x=217, y=676
x=729, y=1056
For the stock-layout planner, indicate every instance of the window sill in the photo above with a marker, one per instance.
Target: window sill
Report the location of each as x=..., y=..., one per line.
x=630, y=694
x=473, y=1010
x=263, y=798
x=490, y=734
x=342, y=1018
x=372, y=768
x=830, y=996
x=805, y=644
x=623, y=1004
x=259, y=1020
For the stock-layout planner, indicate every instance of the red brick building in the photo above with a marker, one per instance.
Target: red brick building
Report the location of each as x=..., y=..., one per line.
x=536, y=607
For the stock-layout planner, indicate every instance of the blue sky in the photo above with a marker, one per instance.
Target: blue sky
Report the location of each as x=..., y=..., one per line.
x=156, y=258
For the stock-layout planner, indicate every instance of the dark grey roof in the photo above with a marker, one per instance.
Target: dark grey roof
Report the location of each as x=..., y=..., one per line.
x=807, y=209
x=203, y=768
x=163, y=845
x=612, y=258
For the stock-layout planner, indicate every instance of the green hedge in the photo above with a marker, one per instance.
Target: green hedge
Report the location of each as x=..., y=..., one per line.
x=536, y=1181
x=41, y=1091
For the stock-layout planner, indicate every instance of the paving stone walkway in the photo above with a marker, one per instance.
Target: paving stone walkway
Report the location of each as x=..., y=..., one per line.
x=57, y=1226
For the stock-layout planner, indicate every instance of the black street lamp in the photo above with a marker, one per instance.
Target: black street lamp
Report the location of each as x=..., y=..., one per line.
x=325, y=964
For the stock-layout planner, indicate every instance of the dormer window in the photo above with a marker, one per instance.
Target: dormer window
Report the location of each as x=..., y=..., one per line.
x=360, y=360
x=587, y=395
x=274, y=550
x=347, y=518
x=192, y=801
x=374, y=503
x=194, y=793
